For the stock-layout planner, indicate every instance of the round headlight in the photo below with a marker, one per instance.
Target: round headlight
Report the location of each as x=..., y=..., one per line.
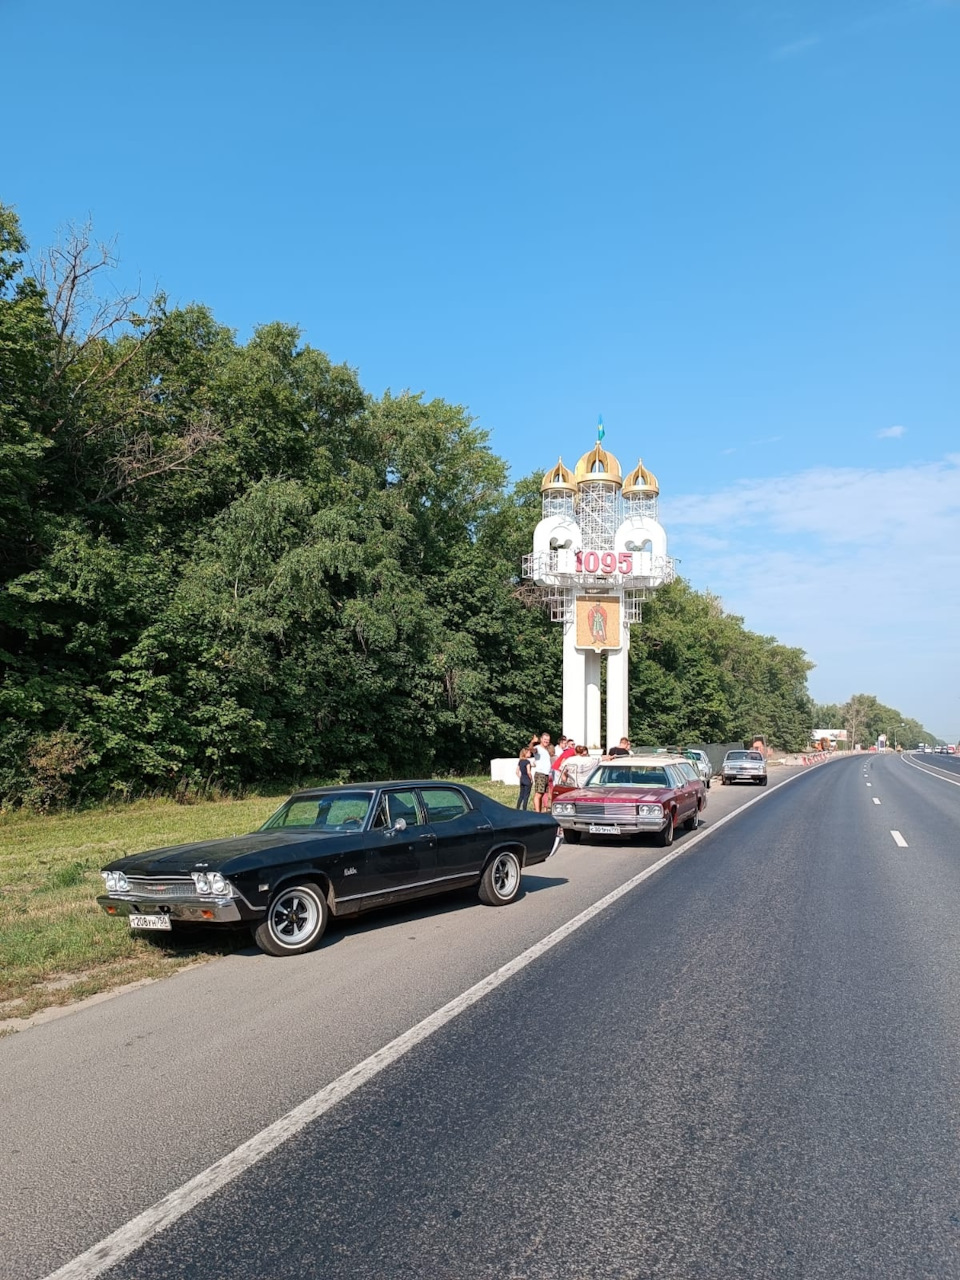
x=218, y=885
x=109, y=880
x=123, y=884
x=202, y=881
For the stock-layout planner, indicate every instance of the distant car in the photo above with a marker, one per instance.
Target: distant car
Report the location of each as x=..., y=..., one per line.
x=743, y=766
x=632, y=795
x=701, y=762
x=333, y=850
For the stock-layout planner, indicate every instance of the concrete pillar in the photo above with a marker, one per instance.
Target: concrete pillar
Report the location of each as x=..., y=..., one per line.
x=574, y=686
x=618, y=690
x=591, y=664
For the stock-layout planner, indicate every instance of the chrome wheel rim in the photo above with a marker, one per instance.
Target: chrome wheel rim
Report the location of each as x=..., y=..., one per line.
x=294, y=917
x=505, y=875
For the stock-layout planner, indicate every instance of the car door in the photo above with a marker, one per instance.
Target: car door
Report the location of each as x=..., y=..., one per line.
x=464, y=834
x=688, y=790
x=397, y=862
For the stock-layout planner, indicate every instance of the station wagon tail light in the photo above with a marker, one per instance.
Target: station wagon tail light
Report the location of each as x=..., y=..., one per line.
x=115, y=881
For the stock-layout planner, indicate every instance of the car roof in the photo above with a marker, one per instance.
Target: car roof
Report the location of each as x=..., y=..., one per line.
x=651, y=761
x=307, y=793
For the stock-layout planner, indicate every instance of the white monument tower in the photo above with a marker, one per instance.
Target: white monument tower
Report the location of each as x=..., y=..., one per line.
x=598, y=552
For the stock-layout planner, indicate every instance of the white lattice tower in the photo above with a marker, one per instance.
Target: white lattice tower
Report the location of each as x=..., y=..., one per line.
x=559, y=504
x=598, y=546
x=598, y=513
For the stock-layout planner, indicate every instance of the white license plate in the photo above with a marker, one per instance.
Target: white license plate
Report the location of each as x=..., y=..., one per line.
x=150, y=922
x=597, y=830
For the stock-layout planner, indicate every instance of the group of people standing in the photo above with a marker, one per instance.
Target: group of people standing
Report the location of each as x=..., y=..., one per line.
x=540, y=765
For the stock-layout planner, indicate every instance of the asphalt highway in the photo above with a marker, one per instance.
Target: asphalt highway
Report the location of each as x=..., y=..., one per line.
x=747, y=1065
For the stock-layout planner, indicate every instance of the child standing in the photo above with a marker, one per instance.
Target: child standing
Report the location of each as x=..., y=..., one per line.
x=523, y=773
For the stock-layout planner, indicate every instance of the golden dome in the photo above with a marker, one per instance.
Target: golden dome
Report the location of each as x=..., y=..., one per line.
x=641, y=483
x=598, y=465
x=559, y=480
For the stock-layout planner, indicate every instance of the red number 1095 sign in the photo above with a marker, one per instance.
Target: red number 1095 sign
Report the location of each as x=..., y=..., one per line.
x=605, y=562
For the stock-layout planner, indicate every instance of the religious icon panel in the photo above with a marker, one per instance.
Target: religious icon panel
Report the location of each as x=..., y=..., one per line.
x=598, y=622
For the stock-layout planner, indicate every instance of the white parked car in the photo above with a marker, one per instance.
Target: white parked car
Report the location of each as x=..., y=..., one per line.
x=701, y=762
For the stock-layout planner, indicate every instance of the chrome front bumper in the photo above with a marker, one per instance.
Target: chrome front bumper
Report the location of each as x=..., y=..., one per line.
x=631, y=827
x=193, y=910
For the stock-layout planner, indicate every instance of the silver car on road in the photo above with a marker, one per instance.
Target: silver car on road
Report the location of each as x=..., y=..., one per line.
x=744, y=766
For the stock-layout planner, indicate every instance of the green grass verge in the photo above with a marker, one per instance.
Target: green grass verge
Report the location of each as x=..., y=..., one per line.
x=56, y=945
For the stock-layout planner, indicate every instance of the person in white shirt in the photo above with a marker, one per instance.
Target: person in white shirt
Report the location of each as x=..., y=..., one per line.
x=542, y=764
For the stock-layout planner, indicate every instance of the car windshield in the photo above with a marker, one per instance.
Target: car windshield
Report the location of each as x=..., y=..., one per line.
x=618, y=775
x=744, y=755
x=331, y=812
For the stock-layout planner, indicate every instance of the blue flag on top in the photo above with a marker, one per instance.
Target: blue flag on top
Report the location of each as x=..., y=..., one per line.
x=600, y=431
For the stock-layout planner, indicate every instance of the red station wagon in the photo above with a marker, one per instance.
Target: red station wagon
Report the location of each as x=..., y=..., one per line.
x=631, y=795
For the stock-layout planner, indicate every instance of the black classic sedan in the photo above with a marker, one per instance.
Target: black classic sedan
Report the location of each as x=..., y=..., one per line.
x=339, y=850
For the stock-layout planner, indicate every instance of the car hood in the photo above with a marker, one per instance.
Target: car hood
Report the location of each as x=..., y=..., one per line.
x=617, y=795
x=211, y=855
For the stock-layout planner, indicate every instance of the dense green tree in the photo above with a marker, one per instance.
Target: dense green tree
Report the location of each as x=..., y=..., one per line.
x=697, y=675
x=865, y=718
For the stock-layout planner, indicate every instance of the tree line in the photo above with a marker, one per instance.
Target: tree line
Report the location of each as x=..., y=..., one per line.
x=865, y=719
x=226, y=563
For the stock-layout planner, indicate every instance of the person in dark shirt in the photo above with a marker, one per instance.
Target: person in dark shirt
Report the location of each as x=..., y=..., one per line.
x=523, y=773
x=622, y=750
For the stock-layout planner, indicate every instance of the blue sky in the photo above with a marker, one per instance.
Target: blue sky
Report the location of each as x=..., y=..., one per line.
x=731, y=227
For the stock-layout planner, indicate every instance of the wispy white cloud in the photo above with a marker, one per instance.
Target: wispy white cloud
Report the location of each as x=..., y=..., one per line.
x=891, y=433
x=796, y=47
x=854, y=565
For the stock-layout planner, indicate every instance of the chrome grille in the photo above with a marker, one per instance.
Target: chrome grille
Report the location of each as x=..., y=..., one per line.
x=167, y=887
x=587, y=810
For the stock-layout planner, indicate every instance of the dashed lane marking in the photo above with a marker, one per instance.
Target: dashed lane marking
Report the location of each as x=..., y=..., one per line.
x=899, y=840
x=875, y=800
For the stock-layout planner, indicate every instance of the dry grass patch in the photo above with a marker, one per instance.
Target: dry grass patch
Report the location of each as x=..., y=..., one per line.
x=56, y=945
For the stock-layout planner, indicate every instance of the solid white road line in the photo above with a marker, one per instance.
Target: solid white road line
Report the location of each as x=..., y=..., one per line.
x=933, y=772
x=899, y=840
x=875, y=800
x=130, y=1237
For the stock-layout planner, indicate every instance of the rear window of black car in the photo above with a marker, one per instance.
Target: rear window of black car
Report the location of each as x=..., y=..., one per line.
x=443, y=804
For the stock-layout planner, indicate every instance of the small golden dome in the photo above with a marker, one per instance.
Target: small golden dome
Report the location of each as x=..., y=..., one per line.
x=598, y=465
x=640, y=483
x=559, y=480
